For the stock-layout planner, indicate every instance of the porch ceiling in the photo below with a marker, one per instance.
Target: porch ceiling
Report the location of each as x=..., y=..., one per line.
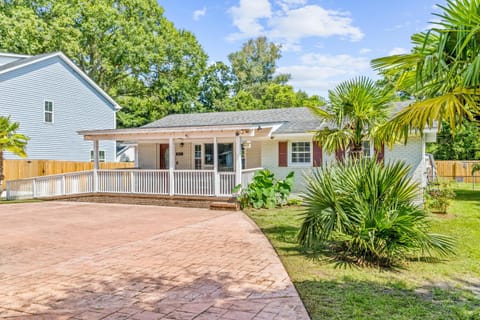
x=152, y=134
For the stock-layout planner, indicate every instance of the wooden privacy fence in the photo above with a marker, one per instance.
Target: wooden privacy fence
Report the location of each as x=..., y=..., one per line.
x=19, y=169
x=458, y=170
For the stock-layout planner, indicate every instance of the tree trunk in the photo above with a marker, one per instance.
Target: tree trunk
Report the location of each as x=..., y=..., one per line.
x=356, y=151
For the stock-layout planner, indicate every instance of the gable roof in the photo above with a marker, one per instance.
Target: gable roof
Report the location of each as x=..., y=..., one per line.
x=291, y=120
x=29, y=60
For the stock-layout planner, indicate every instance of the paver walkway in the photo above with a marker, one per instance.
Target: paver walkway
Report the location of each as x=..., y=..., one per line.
x=61, y=260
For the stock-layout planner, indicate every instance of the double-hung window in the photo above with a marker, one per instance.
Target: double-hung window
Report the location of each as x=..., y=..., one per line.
x=101, y=156
x=48, y=111
x=300, y=153
x=366, y=146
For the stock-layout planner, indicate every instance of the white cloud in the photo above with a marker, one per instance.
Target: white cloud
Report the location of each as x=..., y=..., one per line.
x=318, y=73
x=396, y=51
x=313, y=21
x=197, y=14
x=364, y=50
x=295, y=21
x=285, y=5
x=246, y=18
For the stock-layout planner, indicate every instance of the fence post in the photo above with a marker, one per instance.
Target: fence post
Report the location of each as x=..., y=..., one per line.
x=34, y=188
x=64, y=188
x=8, y=190
x=132, y=182
x=95, y=180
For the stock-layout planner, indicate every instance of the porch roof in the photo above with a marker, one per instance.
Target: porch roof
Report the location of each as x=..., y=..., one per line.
x=197, y=132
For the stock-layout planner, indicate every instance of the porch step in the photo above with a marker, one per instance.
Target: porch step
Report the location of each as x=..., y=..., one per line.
x=229, y=206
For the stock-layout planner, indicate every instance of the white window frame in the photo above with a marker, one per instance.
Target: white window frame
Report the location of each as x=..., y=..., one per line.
x=290, y=152
x=50, y=112
x=371, y=149
x=100, y=158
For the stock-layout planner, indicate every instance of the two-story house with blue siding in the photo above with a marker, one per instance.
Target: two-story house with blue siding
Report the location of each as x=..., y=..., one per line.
x=52, y=99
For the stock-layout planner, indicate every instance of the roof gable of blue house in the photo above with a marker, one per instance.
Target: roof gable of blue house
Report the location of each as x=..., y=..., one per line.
x=52, y=98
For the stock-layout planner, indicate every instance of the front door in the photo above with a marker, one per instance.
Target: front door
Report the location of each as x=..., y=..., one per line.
x=164, y=156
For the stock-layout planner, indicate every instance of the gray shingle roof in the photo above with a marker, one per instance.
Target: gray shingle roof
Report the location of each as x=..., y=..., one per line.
x=293, y=120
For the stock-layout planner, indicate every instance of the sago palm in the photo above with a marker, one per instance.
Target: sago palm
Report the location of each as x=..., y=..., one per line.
x=367, y=212
x=442, y=71
x=355, y=108
x=10, y=141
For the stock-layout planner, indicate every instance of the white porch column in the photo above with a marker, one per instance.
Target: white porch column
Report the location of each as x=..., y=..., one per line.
x=95, y=154
x=238, y=159
x=95, y=165
x=135, y=154
x=215, y=167
x=171, y=165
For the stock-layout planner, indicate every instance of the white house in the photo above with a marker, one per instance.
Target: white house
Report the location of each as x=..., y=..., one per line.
x=234, y=142
x=52, y=99
x=208, y=154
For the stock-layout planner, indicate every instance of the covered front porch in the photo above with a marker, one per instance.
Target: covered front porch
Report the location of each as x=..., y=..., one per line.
x=205, y=162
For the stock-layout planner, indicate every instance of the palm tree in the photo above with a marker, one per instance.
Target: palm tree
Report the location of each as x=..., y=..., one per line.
x=10, y=141
x=355, y=108
x=442, y=71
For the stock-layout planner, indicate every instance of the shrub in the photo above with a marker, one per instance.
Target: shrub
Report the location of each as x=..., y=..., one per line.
x=265, y=191
x=438, y=196
x=366, y=213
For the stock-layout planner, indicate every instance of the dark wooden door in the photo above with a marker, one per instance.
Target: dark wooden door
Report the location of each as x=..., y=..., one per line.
x=164, y=156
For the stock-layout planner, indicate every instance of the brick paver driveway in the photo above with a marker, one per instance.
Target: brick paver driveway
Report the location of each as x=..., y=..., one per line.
x=61, y=260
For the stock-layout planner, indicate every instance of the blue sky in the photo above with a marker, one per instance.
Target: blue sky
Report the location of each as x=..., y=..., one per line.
x=323, y=41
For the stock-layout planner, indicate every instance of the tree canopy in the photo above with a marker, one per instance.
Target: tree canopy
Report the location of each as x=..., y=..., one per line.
x=442, y=71
x=464, y=145
x=126, y=46
x=146, y=64
x=356, y=108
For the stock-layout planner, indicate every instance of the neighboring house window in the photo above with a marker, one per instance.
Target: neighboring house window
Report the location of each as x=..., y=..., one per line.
x=366, y=149
x=48, y=111
x=101, y=156
x=300, y=153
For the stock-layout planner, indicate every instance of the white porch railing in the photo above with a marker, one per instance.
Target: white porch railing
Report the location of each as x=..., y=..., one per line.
x=182, y=182
x=247, y=176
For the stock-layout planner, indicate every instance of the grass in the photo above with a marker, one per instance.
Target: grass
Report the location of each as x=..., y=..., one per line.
x=436, y=289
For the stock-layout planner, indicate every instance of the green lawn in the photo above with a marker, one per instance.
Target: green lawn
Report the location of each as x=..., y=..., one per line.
x=442, y=289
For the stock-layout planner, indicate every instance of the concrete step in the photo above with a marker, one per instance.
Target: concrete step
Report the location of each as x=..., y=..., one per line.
x=229, y=206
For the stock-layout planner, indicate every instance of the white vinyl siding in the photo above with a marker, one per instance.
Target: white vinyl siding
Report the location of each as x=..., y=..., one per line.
x=76, y=106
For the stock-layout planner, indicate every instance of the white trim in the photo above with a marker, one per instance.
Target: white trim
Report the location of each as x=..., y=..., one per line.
x=72, y=65
x=53, y=111
x=14, y=55
x=280, y=136
x=299, y=165
x=216, y=128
